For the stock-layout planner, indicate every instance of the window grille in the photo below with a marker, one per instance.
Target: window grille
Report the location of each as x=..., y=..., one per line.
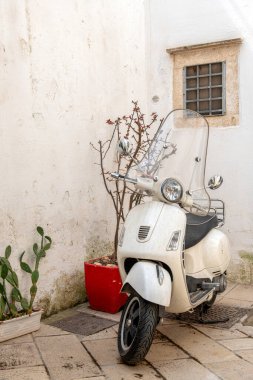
x=204, y=88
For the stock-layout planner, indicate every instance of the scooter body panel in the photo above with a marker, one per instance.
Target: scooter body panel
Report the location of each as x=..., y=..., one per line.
x=158, y=221
x=150, y=281
x=146, y=235
x=161, y=220
x=210, y=257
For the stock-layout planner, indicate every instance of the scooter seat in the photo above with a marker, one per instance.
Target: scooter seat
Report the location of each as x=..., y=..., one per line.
x=197, y=227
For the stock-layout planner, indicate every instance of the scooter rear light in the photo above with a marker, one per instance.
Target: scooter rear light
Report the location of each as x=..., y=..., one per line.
x=174, y=241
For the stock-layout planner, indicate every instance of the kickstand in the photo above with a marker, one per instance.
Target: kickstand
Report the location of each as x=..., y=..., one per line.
x=203, y=310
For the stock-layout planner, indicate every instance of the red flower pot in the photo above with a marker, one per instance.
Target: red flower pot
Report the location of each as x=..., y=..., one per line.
x=103, y=284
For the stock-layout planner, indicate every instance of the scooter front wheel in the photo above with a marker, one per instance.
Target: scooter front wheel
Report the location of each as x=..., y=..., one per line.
x=136, y=329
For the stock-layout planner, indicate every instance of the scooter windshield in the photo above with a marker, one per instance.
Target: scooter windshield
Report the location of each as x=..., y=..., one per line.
x=178, y=151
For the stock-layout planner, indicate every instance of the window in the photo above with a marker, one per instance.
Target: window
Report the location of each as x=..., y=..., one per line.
x=204, y=88
x=205, y=79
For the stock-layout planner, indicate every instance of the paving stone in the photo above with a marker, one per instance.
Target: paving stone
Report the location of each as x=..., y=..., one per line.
x=66, y=358
x=27, y=338
x=219, y=334
x=230, y=286
x=105, y=334
x=90, y=378
x=29, y=373
x=161, y=338
x=197, y=344
x=232, y=370
x=246, y=355
x=184, y=369
x=236, y=302
x=242, y=292
x=164, y=352
x=249, y=320
x=105, y=351
x=238, y=344
x=248, y=330
x=19, y=355
x=85, y=308
x=47, y=330
x=168, y=321
x=124, y=372
x=61, y=315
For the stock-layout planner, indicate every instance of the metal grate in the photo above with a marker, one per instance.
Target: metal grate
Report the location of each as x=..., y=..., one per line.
x=213, y=317
x=143, y=232
x=204, y=88
x=83, y=324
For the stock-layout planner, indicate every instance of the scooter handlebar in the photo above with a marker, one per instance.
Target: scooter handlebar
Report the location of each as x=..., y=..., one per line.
x=123, y=177
x=117, y=175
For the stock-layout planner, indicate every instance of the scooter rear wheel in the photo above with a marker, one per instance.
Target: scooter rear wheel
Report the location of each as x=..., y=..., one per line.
x=136, y=329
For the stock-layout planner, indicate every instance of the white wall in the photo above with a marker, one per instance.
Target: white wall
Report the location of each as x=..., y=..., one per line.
x=179, y=23
x=66, y=67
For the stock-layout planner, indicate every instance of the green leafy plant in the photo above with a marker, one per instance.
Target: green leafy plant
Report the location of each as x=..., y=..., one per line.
x=12, y=302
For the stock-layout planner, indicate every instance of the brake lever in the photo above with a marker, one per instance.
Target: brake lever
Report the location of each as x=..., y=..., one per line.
x=117, y=175
x=123, y=177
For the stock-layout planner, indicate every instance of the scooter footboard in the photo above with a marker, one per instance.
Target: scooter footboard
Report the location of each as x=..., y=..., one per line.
x=151, y=281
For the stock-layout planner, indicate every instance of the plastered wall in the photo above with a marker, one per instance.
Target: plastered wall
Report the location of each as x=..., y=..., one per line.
x=184, y=23
x=68, y=66
x=65, y=68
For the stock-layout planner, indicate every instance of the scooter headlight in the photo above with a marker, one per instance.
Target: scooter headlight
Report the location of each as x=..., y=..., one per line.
x=172, y=190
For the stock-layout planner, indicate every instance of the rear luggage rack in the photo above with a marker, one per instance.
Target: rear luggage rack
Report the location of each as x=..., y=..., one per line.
x=218, y=207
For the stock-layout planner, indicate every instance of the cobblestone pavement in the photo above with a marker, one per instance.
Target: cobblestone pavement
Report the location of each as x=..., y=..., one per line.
x=179, y=351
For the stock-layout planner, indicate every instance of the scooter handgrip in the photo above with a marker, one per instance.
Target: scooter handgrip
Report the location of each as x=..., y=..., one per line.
x=117, y=175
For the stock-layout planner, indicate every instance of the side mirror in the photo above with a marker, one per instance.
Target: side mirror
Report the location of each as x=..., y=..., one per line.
x=215, y=182
x=123, y=147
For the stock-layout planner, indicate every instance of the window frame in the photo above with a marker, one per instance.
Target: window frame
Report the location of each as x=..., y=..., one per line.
x=211, y=52
x=208, y=112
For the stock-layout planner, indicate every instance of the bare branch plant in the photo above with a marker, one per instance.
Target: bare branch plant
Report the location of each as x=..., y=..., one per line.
x=123, y=195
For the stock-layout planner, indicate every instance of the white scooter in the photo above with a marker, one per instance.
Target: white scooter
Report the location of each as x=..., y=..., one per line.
x=172, y=256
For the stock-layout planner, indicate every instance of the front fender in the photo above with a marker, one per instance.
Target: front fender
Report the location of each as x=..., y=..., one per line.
x=143, y=278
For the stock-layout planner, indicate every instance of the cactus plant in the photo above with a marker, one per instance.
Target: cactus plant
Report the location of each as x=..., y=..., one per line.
x=12, y=302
